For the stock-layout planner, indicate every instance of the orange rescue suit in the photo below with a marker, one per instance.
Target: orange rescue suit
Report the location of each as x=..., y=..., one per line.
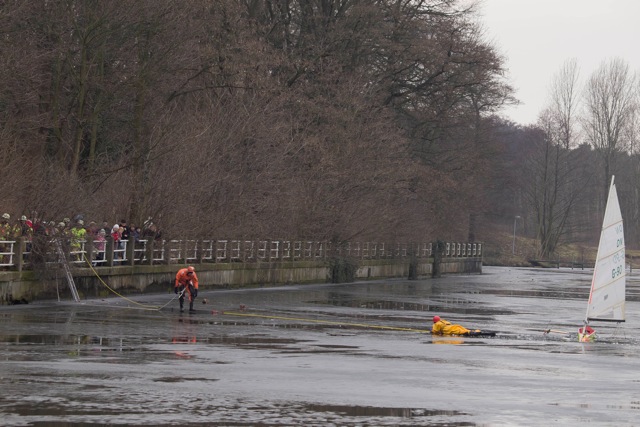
x=183, y=279
x=443, y=327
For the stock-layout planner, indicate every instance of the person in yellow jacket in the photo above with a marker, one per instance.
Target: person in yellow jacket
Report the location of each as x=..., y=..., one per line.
x=78, y=235
x=444, y=327
x=6, y=233
x=186, y=283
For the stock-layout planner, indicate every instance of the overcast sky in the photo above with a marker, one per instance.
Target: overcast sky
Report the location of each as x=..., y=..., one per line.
x=537, y=36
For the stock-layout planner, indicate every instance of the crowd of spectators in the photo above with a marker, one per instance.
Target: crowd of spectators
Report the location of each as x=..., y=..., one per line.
x=39, y=235
x=28, y=227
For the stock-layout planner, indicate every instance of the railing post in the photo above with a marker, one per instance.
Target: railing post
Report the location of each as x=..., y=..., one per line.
x=88, y=249
x=437, y=257
x=149, y=250
x=131, y=246
x=199, y=251
x=18, y=250
x=184, y=246
x=164, y=251
x=109, y=251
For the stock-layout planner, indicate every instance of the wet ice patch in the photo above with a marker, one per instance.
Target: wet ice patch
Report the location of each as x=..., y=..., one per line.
x=182, y=379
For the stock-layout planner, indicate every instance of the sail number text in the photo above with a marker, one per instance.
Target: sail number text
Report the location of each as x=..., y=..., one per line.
x=619, y=231
x=618, y=261
x=617, y=271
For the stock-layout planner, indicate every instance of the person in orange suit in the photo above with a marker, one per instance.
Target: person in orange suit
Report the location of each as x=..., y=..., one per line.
x=186, y=283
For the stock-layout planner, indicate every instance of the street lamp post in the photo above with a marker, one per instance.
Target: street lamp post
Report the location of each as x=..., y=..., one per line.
x=513, y=246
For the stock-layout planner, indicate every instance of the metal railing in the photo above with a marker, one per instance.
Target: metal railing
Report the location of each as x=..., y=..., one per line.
x=6, y=253
x=144, y=251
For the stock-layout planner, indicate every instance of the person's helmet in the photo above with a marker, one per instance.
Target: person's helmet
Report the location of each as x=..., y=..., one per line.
x=23, y=218
x=190, y=269
x=436, y=319
x=61, y=224
x=80, y=222
x=6, y=216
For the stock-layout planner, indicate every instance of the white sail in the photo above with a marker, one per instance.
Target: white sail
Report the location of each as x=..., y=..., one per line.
x=607, y=297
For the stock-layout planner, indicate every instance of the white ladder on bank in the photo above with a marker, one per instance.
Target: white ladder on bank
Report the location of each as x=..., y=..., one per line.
x=67, y=271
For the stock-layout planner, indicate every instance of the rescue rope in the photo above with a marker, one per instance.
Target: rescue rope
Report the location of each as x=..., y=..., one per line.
x=264, y=316
x=231, y=313
x=143, y=306
x=326, y=322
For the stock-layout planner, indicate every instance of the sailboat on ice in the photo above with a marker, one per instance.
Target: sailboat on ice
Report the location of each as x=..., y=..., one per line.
x=607, y=296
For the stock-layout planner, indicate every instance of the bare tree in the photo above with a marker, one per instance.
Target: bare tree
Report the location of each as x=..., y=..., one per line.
x=319, y=118
x=564, y=103
x=553, y=188
x=610, y=99
x=554, y=185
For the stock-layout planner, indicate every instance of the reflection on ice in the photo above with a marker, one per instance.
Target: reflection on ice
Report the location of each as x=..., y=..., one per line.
x=351, y=354
x=369, y=411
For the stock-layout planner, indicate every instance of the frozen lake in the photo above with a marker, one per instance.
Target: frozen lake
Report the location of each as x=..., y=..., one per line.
x=316, y=355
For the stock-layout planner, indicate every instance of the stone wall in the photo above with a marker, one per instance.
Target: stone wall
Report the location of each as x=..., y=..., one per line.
x=27, y=286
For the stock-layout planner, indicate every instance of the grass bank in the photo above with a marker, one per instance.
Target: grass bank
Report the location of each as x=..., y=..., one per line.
x=503, y=251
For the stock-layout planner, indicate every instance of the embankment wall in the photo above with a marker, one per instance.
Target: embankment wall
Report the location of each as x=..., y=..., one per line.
x=27, y=286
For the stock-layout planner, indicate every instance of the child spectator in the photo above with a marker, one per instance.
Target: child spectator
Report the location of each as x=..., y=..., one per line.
x=100, y=243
